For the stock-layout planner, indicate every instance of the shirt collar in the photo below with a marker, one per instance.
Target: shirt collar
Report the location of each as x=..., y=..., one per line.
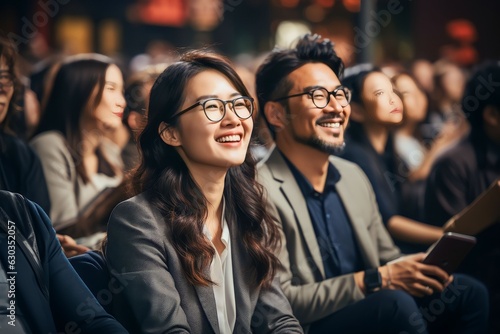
x=333, y=176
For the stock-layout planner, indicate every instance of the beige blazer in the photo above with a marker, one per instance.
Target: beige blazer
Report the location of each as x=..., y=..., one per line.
x=302, y=277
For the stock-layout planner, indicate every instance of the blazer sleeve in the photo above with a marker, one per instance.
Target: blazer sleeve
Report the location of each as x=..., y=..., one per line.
x=315, y=299
x=311, y=296
x=273, y=313
x=60, y=175
x=73, y=305
x=148, y=301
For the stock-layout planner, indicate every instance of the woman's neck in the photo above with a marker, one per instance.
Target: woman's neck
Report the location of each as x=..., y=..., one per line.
x=211, y=184
x=377, y=135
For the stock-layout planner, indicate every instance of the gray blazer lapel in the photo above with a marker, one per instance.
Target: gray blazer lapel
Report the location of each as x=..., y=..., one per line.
x=242, y=280
x=293, y=194
x=207, y=300
x=365, y=243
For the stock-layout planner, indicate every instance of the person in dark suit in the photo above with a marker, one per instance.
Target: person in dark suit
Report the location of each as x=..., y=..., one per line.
x=466, y=170
x=20, y=168
x=46, y=293
x=339, y=263
x=196, y=246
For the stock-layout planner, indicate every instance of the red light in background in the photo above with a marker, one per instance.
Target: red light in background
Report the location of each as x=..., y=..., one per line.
x=159, y=12
x=462, y=30
x=352, y=5
x=289, y=3
x=325, y=3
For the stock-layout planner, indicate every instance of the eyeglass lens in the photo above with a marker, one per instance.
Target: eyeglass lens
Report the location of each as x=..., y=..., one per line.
x=215, y=108
x=321, y=97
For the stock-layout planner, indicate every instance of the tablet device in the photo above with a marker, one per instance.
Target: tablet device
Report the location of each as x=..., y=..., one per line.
x=483, y=212
x=449, y=251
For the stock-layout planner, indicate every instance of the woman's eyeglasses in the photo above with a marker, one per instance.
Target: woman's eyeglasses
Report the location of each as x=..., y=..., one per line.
x=215, y=109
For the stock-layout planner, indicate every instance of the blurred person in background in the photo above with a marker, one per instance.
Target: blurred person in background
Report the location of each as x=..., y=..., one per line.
x=137, y=92
x=465, y=171
x=81, y=164
x=20, y=167
x=376, y=111
x=449, y=81
x=423, y=72
x=410, y=147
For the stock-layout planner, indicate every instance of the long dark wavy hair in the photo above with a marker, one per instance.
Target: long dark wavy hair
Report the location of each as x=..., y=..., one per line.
x=71, y=97
x=167, y=181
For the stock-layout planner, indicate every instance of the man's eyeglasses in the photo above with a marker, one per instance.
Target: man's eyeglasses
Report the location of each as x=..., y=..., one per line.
x=321, y=96
x=6, y=80
x=215, y=109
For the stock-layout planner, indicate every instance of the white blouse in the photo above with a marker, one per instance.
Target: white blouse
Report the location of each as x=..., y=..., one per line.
x=221, y=273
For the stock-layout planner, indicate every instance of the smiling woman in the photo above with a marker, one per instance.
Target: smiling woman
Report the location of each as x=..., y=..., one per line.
x=197, y=243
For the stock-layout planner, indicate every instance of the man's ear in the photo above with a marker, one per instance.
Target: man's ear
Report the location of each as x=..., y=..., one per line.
x=275, y=114
x=169, y=134
x=357, y=112
x=491, y=116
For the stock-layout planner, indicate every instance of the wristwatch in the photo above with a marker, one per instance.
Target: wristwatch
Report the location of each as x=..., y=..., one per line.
x=372, y=280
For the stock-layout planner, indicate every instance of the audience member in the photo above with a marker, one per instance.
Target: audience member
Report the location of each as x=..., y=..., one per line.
x=336, y=252
x=449, y=81
x=465, y=171
x=135, y=114
x=49, y=295
x=409, y=146
x=423, y=72
x=376, y=110
x=20, y=168
x=197, y=238
x=79, y=160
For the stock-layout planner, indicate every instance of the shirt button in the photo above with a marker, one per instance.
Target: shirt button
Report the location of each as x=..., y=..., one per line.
x=328, y=216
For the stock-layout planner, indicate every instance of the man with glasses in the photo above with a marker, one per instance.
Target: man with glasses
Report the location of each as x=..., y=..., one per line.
x=336, y=253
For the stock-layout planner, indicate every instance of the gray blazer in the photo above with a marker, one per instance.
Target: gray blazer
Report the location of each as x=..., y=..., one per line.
x=155, y=296
x=303, y=277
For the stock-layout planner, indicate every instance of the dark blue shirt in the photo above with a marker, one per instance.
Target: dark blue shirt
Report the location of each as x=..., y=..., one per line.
x=337, y=243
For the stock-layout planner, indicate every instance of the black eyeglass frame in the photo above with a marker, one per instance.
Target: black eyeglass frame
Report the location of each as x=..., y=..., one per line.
x=224, y=102
x=347, y=93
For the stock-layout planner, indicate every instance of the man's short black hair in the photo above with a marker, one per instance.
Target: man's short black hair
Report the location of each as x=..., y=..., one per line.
x=271, y=77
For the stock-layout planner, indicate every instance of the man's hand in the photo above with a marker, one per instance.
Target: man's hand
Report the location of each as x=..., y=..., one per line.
x=409, y=274
x=70, y=247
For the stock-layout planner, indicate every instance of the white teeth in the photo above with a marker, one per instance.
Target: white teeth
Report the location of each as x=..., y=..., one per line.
x=232, y=138
x=330, y=125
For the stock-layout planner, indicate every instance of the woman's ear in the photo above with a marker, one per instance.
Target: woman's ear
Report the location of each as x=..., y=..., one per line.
x=275, y=114
x=357, y=112
x=169, y=134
